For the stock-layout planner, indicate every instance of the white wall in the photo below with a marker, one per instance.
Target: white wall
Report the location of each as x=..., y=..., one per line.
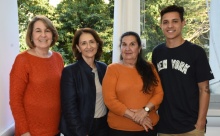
x=214, y=51
x=9, y=48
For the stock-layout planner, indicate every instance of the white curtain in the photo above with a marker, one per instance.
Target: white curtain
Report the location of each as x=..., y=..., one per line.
x=214, y=51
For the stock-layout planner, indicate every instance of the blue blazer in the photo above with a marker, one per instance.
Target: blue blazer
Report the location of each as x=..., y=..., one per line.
x=78, y=97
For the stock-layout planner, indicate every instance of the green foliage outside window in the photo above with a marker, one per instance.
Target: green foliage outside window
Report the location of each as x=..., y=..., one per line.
x=70, y=15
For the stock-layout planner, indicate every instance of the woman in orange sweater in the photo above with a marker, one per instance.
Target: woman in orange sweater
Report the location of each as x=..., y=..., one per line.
x=35, y=82
x=132, y=91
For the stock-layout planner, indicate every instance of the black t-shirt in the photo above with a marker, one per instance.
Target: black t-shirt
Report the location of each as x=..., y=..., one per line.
x=180, y=70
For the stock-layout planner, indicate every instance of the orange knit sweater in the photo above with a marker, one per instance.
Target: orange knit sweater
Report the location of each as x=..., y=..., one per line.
x=35, y=94
x=122, y=89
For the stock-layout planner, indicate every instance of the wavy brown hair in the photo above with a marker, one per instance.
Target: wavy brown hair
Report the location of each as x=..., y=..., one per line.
x=76, y=37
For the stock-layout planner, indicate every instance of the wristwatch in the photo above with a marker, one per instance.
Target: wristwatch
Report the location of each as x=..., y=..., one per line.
x=147, y=109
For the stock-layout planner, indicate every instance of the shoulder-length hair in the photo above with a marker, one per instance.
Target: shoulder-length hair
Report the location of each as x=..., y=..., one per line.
x=75, y=42
x=47, y=23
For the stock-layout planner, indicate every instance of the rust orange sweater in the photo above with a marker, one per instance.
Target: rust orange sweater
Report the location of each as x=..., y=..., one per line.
x=122, y=89
x=35, y=94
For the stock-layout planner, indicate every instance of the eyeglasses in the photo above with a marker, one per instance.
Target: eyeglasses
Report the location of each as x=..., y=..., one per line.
x=91, y=43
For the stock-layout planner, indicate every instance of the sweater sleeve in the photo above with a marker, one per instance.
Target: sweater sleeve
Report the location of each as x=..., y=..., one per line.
x=158, y=93
x=18, y=84
x=109, y=92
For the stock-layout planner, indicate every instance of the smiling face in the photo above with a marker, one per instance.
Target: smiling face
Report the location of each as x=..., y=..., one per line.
x=129, y=48
x=172, y=25
x=87, y=46
x=41, y=35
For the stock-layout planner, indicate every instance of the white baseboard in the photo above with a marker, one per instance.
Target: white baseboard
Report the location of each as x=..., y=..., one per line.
x=213, y=121
x=9, y=131
x=213, y=113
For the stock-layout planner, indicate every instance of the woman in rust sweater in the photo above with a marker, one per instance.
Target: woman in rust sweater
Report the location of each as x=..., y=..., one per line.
x=35, y=82
x=132, y=91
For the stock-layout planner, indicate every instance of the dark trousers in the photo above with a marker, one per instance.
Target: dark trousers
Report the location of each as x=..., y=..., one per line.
x=114, y=132
x=58, y=134
x=100, y=127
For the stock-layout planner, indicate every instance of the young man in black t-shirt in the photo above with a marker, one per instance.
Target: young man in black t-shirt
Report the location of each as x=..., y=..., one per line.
x=185, y=73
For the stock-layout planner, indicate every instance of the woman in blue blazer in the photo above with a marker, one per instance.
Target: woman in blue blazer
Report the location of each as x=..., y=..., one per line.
x=83, y=109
